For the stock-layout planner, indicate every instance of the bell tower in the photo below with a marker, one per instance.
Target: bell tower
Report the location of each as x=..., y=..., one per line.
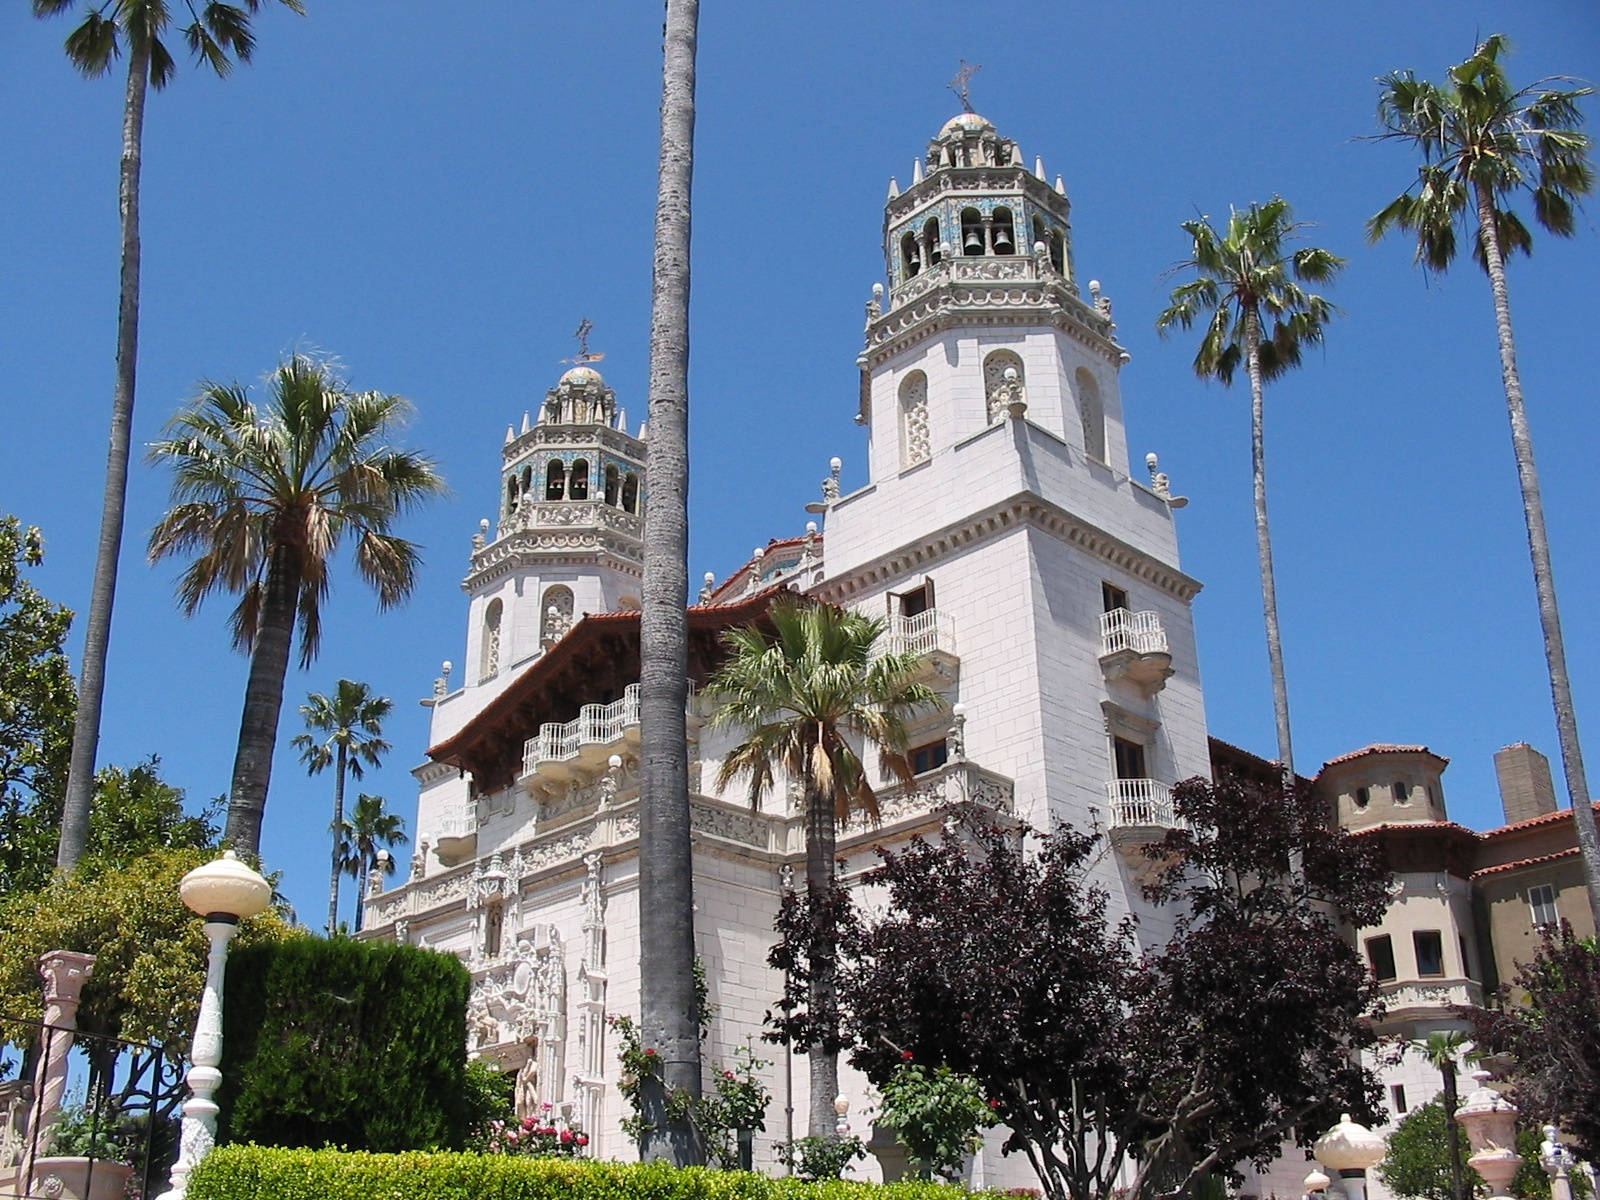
x=568, y=538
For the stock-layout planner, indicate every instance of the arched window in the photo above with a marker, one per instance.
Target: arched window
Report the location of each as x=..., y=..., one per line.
x=1093, y=415
x=555, y=480
x=997, y=389
x=578, y=481
x=1041, y=234
x=1004, y=232
x=613, y=484
x=914, y=419
x=511, y=495
x=557, y=615
x=527, y=481
x=932, y=254
x=630, y=492
x=910, y=258
x=1058, y=253
x=972, y=232
x=489, y=658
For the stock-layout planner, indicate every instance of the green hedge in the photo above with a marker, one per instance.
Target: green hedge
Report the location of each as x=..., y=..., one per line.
x=262, y=1173
x=344, y=1043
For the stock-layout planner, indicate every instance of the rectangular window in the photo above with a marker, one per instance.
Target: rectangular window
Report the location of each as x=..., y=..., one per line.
x=1380, y=957
x=930, y=757
x=1466, y=968
x=1397, y=1098
x=1429, y=945
x=1112, y=597
x=1402, y=792
x=1542, y=900
x=914, y=602
x=1130, y=759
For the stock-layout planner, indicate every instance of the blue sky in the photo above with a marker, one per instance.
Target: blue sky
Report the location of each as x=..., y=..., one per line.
x=438, y=201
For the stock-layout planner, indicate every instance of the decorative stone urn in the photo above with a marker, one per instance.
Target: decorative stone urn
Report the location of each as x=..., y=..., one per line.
x=1349, y=1150
x=1490, y=1121
x=73, y=1178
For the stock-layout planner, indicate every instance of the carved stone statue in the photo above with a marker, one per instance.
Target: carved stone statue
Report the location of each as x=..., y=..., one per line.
x=527, y=1089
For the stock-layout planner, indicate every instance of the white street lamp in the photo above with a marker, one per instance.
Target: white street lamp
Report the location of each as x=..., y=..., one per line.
x=224, y=892
x=841, y=1113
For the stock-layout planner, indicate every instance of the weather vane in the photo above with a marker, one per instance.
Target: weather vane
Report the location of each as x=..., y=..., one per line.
x=584, y=355
x=958, y=85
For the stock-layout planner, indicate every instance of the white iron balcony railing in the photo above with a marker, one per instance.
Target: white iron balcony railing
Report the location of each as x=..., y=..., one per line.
x=1138, y=632
x=1144, y=803
x=928, y=632
x=596, y=727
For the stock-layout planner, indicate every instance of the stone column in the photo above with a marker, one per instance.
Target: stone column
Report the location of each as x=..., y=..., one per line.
x=65, y=972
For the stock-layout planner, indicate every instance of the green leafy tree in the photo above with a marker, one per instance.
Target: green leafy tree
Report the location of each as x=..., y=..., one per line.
x=36, y=707
x=666, y=869
x=351, y=725
x=262, y=499
x=803, y=698
x=1442, y=1049
x=360, y=838
x=1247, y=288
x=939, y=1114
x=1485, y=144
x=219, y=34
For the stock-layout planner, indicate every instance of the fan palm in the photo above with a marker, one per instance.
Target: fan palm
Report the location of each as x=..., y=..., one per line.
x=352, y=722
x=805, y=698
x=1483, y=144
x=1441, y=1049
x=1248, y=285
x=362, y=837
x=262, y=500
x=218, y=35
x=669, y=1007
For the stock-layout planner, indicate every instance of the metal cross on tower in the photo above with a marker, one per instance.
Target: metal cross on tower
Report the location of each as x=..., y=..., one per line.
x=958, y=85
x=584, y=355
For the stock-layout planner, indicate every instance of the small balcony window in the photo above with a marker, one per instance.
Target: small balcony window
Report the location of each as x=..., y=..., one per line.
x=1397, y=1098
x=1402, y=792
x=1380, y=957
x=1112, y=597
x=1429, y=946
x=1363, y=797
x=929, y=757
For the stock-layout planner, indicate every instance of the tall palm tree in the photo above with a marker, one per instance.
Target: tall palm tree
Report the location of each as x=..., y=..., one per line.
x=1249, y=282
x=1441, y=1050
x=361, y=837
x=262, y=500
x=352, y=722
x=805, y=699
x=218, y=35
x=669, y=1006
x=1483, y=144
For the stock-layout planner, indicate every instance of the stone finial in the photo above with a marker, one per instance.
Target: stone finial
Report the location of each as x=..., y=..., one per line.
x=894, y=187
x=611, y=781
x=916, y=170
x=481, y=538
x=709, y=579
x=511, y=435
x=830, y=485
x=1038, y=168
x=419, y=860
x=955, y=738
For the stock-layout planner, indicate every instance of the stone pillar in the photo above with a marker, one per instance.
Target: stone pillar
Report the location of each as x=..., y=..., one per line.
x=65, y=972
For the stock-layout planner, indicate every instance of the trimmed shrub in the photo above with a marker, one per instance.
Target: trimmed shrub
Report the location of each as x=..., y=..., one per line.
x=344, y=1043
x=260, y=1173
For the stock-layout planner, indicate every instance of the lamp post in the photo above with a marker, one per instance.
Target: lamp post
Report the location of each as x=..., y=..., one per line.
x=223, y=891
x=841, y=1115
x=1349, y=1150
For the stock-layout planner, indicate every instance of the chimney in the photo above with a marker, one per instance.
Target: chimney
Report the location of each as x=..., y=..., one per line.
x=1525, y=787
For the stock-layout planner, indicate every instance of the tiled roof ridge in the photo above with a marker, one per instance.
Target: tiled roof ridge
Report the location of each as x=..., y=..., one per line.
x=1381, y=748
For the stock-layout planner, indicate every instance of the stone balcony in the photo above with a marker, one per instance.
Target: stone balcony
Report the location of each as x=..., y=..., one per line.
x=931, y=636
x=950, y=785
x=456, y=836
x=1414, y=999
x=1133, y=646
x=581, y=747
x=1141, y=813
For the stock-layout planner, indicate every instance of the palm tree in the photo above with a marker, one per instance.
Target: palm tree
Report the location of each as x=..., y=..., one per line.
x=1441, y=1050
x=262, y=500
x=353, y=720
x=362, y=839
x=1482, y=144
x=668, y=1002
x=1248, y=280
x=805, y=699
x=218, y=35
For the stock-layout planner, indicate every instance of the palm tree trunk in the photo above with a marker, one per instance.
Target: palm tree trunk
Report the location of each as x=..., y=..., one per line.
x=1452, y=1129
x=97, y=635
x=263, y=699
x=1544, y=579
x=821, y=839
x=338, y=838
x=669, y=1018
x=1269, y=587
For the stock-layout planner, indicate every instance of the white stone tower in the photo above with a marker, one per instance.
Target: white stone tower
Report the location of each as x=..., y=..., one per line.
x=1001, y=516
x=567, y=542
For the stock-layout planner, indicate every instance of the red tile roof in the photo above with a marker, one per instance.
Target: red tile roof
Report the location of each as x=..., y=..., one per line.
x=1381, y=748
x=1552, y=818
x=1536, y=860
